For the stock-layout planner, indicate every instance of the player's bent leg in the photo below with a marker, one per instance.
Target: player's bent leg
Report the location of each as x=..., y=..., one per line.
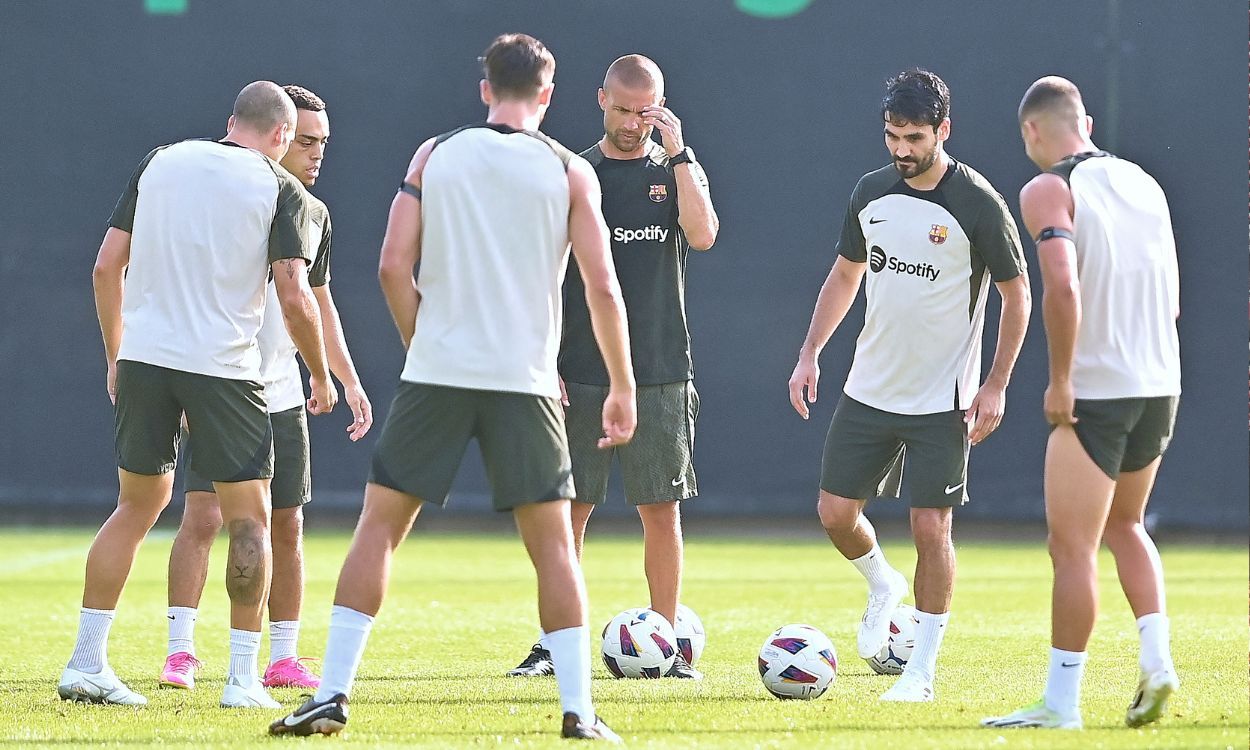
x=848, y=529
x=188, y=572
x=1141, y=577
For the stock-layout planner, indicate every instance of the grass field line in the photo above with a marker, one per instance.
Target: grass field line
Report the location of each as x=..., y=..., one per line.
x=31, y=562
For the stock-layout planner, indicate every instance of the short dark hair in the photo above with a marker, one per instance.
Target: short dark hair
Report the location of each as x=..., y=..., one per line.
x=636, y=72
x=916, y=97
x=517, y=66
x=1051, y=95
x=304, y=99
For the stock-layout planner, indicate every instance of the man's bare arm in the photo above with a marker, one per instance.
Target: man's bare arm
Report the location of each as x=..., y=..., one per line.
x=108, y=279
x=303, y=322
x=401, y=249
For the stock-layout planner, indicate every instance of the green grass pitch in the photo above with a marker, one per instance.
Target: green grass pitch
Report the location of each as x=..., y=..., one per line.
x=461, y=611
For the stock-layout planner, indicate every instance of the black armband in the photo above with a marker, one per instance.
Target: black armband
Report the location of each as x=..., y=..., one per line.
x=1049, y=233
x=410, y=189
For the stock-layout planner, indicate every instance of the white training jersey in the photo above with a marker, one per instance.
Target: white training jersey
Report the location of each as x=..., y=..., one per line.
x=206, y=220
x=1127, y=345
x=494, y=248
x=279, y=369
x=931, y=256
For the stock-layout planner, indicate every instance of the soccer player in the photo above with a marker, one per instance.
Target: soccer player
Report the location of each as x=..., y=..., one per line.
x=657, y=205
x=291, y=484
x=1110, y=302
x=489, y=210
x=930, y=233
x=180, y=293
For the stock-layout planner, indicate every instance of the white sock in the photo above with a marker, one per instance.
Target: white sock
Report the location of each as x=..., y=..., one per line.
x=181, y=630
x=91, y=650
x=542, y=639
x=875, y=569
x=283, y=637
x=349, y=630
x=1063, y=683
x=570, y=654
x=1156, y=653
x=244, y=646
x=929, y=633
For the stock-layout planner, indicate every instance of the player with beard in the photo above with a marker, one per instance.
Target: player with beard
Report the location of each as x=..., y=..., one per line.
x=657, y=204
x=930, y=233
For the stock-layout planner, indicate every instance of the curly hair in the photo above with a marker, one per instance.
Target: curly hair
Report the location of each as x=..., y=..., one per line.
x=916, y=97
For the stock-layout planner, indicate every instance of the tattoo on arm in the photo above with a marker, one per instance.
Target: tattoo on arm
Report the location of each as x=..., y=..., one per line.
x=289, y=265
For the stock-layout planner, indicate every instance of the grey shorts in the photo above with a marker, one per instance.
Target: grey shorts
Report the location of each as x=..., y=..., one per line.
x=657, y=465
x=233, y=434
x=864, y=447
x=292, y=480
x=428, y=429
x=1125, y=434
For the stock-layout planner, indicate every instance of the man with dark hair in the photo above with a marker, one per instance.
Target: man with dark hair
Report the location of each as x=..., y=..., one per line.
x=291, y=484
x=489, y=210
x=180, y=294
x=1110, y=302
x=657, y=205
x=930, y=233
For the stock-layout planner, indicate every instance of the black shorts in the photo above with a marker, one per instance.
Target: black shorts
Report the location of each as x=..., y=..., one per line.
x=657, y=465
x=234, y=440
x=292, y=481
x=1125, y=434
x=428, y=429
x=864, y=447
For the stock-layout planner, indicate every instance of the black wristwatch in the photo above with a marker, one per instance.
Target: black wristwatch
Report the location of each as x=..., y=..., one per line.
x=685, y=156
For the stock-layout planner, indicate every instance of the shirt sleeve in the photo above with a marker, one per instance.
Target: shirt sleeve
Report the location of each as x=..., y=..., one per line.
x=290, y=234
x=123, y=216
x=851, y=242
x=997, y=240
x=319, y=273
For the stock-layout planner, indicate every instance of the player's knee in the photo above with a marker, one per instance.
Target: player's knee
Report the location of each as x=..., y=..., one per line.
x=1120, y=533
x=1067, y=549
x=287, y=529
x=931, y=528
x=247, y=574
x=200, y=524
x=837, y=514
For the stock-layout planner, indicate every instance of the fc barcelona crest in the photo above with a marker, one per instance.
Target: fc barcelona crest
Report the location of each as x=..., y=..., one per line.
x=659, y=193
x=937, y=234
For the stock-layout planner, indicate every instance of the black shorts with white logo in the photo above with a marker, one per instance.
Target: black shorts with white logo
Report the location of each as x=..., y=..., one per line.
x=864, y=444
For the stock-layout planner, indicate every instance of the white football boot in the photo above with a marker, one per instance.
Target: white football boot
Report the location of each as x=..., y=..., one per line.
x=101, y=687
x=874, y=628
x=238, y=695
x=1036, y=715
x=910, y=688
x=1151, y=699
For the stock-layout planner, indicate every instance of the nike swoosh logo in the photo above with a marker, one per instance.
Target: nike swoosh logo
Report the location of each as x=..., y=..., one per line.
x=679, y=481
x=297, y=717
x=876, y=221
x=951, y=490
x=170, y=616
x=1066, y=664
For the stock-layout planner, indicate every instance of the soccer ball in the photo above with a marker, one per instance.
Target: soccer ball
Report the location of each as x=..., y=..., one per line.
x=639, y=643
x=690, y=635
x=897, y=649
x=797, y=661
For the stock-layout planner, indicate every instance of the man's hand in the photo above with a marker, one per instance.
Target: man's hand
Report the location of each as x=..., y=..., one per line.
x=362, y=411
x=620, y=418
x=324, y=395
x=110, y=382
x=985, y=413
x=806, y=375
x=1059, y=404
x=663, y=119
x=564, y=394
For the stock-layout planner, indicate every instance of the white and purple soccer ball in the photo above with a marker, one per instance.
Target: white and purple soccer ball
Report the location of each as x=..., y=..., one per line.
x=797, y=661
x=898, y=647
x=639, y=643
x=691, y=638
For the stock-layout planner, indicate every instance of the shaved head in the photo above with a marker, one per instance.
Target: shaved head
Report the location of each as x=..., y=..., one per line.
x=635, y=72
x=262, y=106
x=1053, y=101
